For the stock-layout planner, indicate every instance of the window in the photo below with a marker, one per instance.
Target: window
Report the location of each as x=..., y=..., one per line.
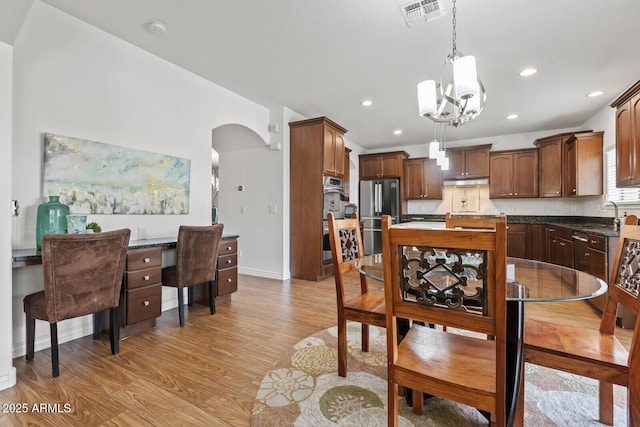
x=614, y=194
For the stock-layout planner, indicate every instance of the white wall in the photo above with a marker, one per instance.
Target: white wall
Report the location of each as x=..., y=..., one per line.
x=73, y=79
x=7, y=371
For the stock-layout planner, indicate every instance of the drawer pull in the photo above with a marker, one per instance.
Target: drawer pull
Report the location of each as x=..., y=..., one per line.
x=594, y=241
x=145, y=277
x=228, y=280
x=146, y=303
x=228, y=248
x=146, y=260
x=229, y=261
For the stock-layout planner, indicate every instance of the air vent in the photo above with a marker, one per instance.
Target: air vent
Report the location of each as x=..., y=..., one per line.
x=423, y=10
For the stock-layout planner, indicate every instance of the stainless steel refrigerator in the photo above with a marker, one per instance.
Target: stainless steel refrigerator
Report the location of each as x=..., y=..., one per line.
x=378, y=197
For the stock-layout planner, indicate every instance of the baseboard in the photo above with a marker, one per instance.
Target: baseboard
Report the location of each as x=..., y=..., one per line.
x=8, y=378
x=68, y=330
x=263, y=273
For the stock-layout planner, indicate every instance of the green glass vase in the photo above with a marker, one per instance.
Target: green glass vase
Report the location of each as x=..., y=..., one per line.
x=52, y=219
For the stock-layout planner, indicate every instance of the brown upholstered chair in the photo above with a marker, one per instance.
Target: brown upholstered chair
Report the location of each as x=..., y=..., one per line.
x=429, y=274
x=196, y=260
x=599, y=354
x=82, y=275
x=367, y=307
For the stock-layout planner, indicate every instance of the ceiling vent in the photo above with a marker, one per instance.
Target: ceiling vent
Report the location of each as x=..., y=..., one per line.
x=422, y=10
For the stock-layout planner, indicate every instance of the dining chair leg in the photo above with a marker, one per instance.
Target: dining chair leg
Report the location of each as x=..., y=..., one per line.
x=96, y=325
x=605, y=401
x=392, y=403
x=190, y=296
x=212, y=297
x=114, y=330
x=365, y=337
x=181, y=306
x=342, y=347
x=31, y=337
x=418, y=402
x=55, y=364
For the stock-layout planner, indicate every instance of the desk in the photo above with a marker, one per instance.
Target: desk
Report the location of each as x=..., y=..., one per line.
x=534, y=281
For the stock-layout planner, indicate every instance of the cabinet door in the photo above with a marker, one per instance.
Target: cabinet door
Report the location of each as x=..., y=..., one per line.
x=333, y=153
x=536, y=244
x=624, y=147
x=391, y=165
x=476, y=161
x=414, y=179
x=635, y=138
x=571, y=168
x=432, y=180
x=565, y=253
x=370, y=167
x=338, y=154
x=456, y=164
x=501, y=176
x=550, y=156
x=517, y=240
x=525, y=174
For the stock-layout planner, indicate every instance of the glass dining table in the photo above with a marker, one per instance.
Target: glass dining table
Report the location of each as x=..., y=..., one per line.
x=527, y=281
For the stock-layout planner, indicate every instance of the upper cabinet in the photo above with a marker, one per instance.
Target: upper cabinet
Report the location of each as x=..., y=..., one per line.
x=423, y=179
x=628, y=137
x=570, y=164
x=333, y=157
x=468, y=162
x=382, y=165
x=583, y=164
x=513, y=174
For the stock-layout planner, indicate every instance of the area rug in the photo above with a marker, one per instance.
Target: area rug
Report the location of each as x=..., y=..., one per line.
x=304, y=389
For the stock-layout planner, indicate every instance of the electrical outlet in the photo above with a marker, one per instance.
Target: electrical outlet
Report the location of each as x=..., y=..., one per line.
x=511, y=208
x=574, y=208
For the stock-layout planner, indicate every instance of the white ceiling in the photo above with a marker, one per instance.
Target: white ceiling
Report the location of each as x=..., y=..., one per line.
x=322, y=58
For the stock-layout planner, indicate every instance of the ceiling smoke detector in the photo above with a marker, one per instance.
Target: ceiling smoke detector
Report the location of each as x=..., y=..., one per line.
x=422, y=10
x=157, y=27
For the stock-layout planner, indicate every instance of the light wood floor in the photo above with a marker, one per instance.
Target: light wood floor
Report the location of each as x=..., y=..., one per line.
x=206, y=373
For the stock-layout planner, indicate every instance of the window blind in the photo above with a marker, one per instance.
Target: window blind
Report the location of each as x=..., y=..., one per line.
x=615, y=194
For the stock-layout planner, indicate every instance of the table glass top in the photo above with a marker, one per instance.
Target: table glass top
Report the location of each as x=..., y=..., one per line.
x=533, y=280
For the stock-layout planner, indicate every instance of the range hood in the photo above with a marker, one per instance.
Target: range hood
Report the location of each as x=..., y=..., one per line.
x=465, y=182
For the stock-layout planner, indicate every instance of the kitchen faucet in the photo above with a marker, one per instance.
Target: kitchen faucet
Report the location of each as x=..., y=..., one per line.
x=616, y=220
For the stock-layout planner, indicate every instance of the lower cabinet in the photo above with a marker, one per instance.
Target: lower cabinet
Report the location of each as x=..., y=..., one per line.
x=517, y=240
x=141, y=297
x=227, y=272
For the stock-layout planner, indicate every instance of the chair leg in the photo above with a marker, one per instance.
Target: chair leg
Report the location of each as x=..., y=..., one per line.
x=212, y=298
x=365, y=337
x=190, y=296
x=181, y=306
x=418, y=402
x=97, y=317
x=605, y=402
x=31, y=337
x=392, y=404
x=114, y=330
x=342, y=347
x=55, y=364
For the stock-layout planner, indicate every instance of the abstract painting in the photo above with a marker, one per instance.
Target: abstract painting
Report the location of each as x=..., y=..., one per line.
x=97, y=178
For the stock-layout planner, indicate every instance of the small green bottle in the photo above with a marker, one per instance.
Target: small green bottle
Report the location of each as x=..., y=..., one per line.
x=52, y=219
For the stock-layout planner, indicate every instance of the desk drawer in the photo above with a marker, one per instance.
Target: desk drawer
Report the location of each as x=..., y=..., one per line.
x=228, y=247
x=227, y=280
x=227, y=261
x=141, y=278
x=144, y=258
x=144, y=303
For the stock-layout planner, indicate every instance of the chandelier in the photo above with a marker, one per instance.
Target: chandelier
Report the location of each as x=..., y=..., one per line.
x=459, y=96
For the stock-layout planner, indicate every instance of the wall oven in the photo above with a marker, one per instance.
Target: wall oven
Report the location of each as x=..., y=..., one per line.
x=334, y=202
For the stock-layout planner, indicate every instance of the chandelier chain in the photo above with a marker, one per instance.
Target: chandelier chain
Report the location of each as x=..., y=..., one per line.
x=454, y=27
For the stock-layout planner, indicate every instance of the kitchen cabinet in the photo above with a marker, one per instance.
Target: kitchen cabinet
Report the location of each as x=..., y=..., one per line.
x=347, y=173
x=583, y=164
x=537, y=242
x=628, y=137
x=570, y=164
x=141, y=298
x=517, y=240
x=559, y=246
x=513, y=174
x=382, y=165
x=468, y=162
x=310, y=160
x=227, y=267
x=423, y=179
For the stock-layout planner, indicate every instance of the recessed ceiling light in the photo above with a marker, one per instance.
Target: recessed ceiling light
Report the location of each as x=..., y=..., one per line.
x=367, y=103
x=397, y=132
x=512, y=116
x=528, y=72
x=595, y=93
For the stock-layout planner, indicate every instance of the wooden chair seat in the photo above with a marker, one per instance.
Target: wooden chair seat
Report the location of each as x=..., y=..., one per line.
x=366, y=308
x=578, y=350
x=441, y=364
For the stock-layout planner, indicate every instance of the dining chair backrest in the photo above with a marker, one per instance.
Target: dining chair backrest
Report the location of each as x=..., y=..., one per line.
x=83, y=272
x=469, y=222
x=345, y=238
x=451, y=277
x=197, y=253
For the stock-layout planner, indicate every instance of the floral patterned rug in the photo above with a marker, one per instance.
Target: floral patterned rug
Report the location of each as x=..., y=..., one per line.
x=304, y=389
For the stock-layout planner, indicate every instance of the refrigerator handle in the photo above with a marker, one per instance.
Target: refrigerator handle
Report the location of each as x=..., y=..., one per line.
x=375, y=198
x=379, y=198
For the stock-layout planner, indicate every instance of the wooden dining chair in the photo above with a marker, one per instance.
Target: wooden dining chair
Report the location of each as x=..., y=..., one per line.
x=429, y=275
x=469, y=222
x=366, y=306
x=593, y=353
x=82, y=275
x=196, y=260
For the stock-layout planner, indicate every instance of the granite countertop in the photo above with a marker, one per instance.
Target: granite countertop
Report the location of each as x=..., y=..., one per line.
x=594, y=225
